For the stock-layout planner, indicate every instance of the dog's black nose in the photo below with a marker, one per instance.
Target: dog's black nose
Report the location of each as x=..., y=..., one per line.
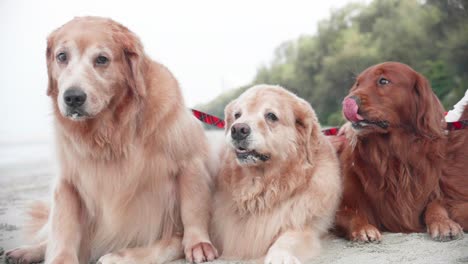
x=240, y=131
x=74, y=97
x=356, y=98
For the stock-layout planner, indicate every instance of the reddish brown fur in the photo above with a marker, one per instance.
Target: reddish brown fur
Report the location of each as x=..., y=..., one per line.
x=392, y=175
x=455, y=177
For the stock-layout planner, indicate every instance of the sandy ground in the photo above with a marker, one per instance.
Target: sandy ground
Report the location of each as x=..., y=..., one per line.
x=27, y=168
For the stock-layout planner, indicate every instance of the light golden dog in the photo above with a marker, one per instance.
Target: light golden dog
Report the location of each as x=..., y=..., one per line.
x=134, y=170
x=279, y=184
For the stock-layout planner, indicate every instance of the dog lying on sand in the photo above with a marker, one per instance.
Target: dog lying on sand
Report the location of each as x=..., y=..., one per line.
x=279, y=184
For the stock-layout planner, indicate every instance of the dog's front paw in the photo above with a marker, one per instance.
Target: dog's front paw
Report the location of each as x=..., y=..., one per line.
x=25, y=255
x=444, y=230
x=366, y=233
x=281, y=257
x=117, y=258
x=201, y=252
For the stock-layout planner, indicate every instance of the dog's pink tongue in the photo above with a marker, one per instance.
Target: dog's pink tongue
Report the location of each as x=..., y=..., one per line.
x=350, y=110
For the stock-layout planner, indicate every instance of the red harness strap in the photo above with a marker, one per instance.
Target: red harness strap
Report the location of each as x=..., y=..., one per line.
x=457, y=125
x=218, y=122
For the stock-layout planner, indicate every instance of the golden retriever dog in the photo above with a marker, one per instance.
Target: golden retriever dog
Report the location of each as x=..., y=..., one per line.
x=134, y=172
x=279, y=185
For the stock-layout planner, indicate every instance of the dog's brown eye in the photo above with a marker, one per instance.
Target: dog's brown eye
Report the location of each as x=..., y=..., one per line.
x=383, y=81
x=62, y=57
x=237, y=115
x=271, y=116
x=102, y=60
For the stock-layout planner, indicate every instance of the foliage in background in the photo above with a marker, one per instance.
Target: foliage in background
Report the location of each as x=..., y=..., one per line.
x=431, y=36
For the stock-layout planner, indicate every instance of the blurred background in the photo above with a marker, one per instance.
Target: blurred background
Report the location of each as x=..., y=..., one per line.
x=431, y=36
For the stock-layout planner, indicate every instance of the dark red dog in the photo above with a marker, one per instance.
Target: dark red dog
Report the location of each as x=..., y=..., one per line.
x=454, y=181
x=394, y=158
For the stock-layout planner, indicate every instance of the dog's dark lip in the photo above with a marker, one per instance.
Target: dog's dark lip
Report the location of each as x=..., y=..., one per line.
x=241, y=150
x=362, y=124
x=243, y=153
x=76, y=114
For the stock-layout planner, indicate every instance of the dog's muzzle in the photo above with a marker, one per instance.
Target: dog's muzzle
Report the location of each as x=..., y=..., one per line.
x=240, y=139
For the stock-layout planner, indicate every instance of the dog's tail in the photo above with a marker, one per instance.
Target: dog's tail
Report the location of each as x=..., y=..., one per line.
x=36, y=225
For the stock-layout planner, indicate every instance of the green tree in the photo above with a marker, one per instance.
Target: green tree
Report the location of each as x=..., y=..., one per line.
x=431, y=36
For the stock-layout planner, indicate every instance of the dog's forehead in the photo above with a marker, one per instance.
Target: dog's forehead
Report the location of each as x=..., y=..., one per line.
x=395, y=71
x=84, y=35
x=262, y=99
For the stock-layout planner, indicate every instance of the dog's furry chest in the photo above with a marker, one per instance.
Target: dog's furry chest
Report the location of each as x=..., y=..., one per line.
x=397, y=192
x=246, y=236
x=130, y=202
x=249, y=235
x=248, y=216
x=399, y=212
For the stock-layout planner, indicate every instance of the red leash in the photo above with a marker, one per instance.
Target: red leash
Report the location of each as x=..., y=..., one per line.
x=209, y=119
x=218, y=122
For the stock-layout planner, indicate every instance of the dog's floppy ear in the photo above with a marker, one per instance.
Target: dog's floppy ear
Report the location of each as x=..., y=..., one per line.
x=52, y=83
x=135, y=60
x=429, y=116
x=308, y=129
x=228, y=116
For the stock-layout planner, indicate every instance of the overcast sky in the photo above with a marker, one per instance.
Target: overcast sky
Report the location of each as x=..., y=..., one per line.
x=210, y=46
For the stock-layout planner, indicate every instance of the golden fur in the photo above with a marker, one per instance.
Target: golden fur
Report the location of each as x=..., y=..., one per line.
x=276, y=208
x=134, y=170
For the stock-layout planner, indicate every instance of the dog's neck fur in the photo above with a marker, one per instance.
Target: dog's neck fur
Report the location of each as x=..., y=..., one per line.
x=256, y=189
x=98, y=137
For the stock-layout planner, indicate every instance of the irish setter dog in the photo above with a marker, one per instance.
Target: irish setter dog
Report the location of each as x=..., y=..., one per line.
x=394, y=158
x=454, y=182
